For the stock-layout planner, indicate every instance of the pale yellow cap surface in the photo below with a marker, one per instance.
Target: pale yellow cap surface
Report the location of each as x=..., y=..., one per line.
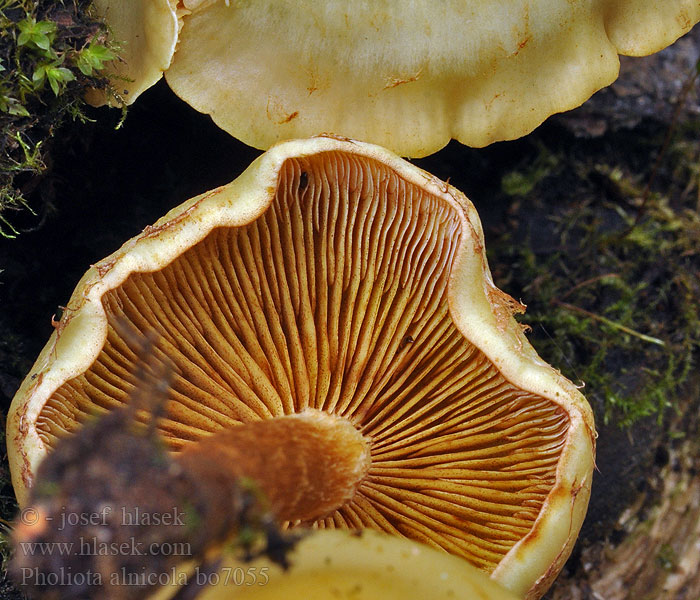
x=412, y=75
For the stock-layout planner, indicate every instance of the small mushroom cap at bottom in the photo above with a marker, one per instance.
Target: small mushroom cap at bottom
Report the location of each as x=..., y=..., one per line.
x=334, y=276
x=336, y=564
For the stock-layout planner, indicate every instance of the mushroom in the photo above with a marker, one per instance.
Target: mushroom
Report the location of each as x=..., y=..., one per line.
x=339, y=287
x=116, y=475
x=408, y=77
x=333, y=564
x=145, y=32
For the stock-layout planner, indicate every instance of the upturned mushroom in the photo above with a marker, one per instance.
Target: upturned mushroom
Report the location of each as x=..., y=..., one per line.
x=408, y=77
x=334, y=292
x=135, y=522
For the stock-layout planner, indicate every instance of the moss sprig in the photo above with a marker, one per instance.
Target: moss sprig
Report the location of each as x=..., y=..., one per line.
x=50, y=53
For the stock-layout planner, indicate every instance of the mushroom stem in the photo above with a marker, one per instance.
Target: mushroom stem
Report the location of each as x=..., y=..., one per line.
x=307, y=465
x=132, y=494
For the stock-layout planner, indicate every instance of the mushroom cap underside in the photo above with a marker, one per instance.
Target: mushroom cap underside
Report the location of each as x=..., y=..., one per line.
x=334, y=276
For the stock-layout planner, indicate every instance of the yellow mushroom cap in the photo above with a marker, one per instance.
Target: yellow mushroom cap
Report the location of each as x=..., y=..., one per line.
x=337, y=564
x=642, y=28
x=146, y=33
x=334, y=277
x=408, y=76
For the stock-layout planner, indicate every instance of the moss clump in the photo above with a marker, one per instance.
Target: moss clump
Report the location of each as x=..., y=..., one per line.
x=610, y=268
x=50, y=52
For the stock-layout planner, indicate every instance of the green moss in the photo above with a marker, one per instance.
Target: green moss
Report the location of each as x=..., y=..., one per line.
x=611, y=273
x=51, y=51
x=521, y=182
x=666, y=558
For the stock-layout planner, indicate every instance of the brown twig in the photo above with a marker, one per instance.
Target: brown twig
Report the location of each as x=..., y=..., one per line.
x=606, y=321
x=112, y=513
